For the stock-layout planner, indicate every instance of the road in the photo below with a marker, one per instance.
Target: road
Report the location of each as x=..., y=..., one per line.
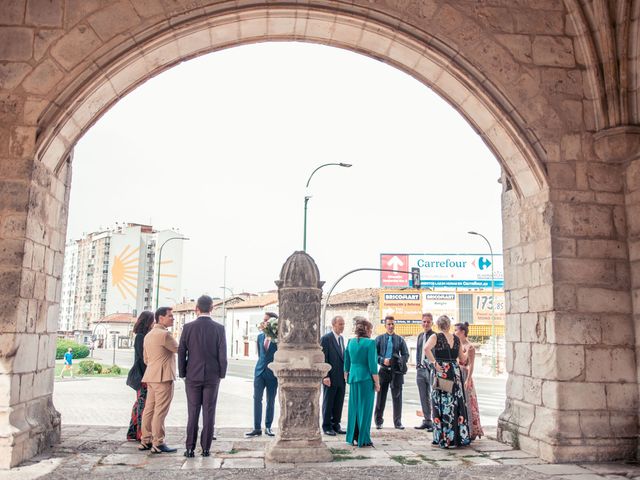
x=490, y=390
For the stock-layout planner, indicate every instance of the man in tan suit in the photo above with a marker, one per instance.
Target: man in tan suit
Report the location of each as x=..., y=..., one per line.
x=160, y=357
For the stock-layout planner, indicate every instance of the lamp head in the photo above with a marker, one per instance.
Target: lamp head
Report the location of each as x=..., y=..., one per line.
x=347, y=165
x=473, y=233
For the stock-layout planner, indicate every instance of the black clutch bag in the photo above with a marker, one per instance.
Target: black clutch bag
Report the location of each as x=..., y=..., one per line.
x=134, y=378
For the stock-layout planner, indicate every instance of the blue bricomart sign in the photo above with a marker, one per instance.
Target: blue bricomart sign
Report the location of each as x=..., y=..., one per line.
x=442, y=270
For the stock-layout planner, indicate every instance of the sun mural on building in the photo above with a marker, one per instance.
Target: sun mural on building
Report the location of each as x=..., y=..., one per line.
x=124, y=273
x=166, y=275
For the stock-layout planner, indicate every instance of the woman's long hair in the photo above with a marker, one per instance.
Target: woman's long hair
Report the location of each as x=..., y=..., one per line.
x=144, y=323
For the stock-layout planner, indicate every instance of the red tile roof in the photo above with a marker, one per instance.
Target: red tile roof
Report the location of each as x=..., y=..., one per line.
x=357, y=296
x=257, y=301
x=117, y=318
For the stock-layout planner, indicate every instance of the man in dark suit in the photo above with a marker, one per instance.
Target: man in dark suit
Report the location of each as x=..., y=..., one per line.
x=202, y=362
x=333, y=384
x=422, y=373
x=392, y=358
x=263, y=378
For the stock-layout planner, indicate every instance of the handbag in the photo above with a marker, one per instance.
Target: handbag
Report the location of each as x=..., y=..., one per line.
x=399, y=366
x=444, y=384
x=134, y=378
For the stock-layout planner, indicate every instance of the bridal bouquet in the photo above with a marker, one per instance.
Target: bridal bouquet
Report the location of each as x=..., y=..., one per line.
x=270, y=329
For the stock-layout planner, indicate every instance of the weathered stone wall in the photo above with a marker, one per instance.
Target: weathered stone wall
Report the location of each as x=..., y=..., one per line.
x=632, y=200
x=540, y=81
x=33, y=213
x=572, y=389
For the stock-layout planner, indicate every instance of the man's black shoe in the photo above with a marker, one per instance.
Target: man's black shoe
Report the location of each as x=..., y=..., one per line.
x=331, y=433
x=399, y=427
x=378, y=426
x=422, y=427
x=269, y=432
x=206, y=453
x=163, y=448
x=340, y=431
x=253, y=433
x=429, y=429
x=189, y=453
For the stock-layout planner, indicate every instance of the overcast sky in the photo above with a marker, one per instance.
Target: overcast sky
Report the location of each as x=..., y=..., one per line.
x=221, y=147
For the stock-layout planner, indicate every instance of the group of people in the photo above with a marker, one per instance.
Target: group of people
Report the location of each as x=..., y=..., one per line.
x=202, y=363
x=444, y=377
x=444, y=363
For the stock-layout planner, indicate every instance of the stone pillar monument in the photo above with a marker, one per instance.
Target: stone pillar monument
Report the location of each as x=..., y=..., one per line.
x=299, y=364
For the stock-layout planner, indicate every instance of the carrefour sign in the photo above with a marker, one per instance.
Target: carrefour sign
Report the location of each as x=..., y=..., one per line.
x=442, y=270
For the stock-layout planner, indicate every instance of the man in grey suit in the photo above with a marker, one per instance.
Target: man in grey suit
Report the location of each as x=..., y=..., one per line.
x=422, y=373
x=202, y=362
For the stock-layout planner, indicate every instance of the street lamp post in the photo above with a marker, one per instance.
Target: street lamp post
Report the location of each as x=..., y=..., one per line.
x=114, y=333
x=307, y=197
x=323, y=310
x=224, y=309
x=494, y=347
x=160, y=265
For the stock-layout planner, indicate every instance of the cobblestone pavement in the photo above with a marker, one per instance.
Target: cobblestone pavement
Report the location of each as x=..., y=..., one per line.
x=101, y=453
x=108, y=401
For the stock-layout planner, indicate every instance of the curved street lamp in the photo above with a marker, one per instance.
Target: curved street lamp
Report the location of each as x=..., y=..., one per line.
x=160, y=265
x=224, y=312
x=307, y=197
x=494, y=347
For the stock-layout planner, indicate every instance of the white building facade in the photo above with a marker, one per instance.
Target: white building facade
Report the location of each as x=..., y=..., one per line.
x=244, y=317
x=68, y=294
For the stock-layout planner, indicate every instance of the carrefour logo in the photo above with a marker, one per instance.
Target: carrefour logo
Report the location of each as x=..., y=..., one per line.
x=483, y=263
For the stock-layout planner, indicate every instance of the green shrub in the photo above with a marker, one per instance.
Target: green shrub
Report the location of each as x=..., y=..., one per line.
x=79, y=351
x=85, y=367
x=97, y=368
x=116, y=370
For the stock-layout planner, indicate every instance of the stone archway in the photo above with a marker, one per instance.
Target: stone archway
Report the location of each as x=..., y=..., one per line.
x=515, y=73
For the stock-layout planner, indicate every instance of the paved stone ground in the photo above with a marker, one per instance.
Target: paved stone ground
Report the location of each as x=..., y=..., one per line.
x=101, y=453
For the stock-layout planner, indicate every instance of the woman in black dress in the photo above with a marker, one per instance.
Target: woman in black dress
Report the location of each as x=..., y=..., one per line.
x=448, y=403
x=134, y=380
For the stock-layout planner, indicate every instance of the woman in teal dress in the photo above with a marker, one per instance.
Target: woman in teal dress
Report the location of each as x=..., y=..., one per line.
x=361, y=373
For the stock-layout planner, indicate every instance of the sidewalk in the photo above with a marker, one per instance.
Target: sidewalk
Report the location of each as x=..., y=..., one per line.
x=101, y=453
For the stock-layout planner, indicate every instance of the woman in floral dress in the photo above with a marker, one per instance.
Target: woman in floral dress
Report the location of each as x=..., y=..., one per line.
x=141, y=328
x=469, y=352
x=448, y=405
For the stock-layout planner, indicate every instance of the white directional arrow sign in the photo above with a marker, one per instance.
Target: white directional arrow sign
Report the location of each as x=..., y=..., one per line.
x=395, y=263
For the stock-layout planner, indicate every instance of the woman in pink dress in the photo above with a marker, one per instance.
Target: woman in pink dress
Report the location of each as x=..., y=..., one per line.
x=462, y=332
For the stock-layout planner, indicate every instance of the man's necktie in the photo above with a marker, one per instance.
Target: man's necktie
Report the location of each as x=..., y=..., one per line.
x=341, y=342
x=266, y=343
